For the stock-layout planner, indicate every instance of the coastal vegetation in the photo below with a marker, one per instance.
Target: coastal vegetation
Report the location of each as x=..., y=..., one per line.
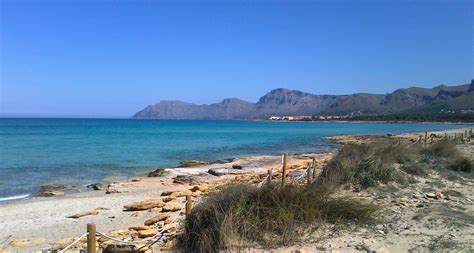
x=243, y=214
x=239, y=215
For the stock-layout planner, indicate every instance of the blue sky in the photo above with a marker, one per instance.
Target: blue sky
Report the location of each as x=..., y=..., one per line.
x=112, y=58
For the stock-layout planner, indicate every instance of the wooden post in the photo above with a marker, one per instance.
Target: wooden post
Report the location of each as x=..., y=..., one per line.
x=426, y=137
x=308, y=175
x=189, y=205
x=431, y=139
x=419, y=140
x=446, y=135
x=314, y=167
x=283, y=174
x=270, y=177
x=91, y=238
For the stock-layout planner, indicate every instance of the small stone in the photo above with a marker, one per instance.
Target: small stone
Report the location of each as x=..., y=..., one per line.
x=19, y=243
x=431, y=195
x=79, y=215
x=61, y=244
x=191, y=163
x=144, y=205
x=172, y=206
x=301, y=251
x=236, y=167
x=39, y=240
x=157, y=218
x=167, y=193
x=158, y=173
x=181, y=193
x=96, y=186
x=111, y=188
x=51, y=193
x=197, y=193
x=218, y=172
x=168, y=198
x=136, y=228
x=369, y=249
x=146, y=233
x=201, y=187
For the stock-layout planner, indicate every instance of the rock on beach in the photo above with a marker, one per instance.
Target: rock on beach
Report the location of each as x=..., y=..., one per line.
x=144, y=205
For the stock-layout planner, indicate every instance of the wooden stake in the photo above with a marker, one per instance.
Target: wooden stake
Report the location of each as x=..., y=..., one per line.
x=314, y=167
x=91, y=238
x=270, y=177
x=308, y=175
x=283, y=174
x=426, y=137
x=189, y=205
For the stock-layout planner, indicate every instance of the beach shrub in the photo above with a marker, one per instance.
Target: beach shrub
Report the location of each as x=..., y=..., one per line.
x=462, y=164
x=241, y=215
x=365, y=165
x=443, y=149
x=416, y=168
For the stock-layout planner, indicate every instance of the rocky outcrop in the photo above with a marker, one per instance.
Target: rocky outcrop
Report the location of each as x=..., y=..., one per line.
x=51, y=190
x=158, y=173
x=96, y=186
x=50, y=193
x=144, y=205
x=191, y=163
x=222, y=172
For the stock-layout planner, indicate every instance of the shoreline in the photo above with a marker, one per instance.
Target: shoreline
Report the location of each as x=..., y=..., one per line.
x=142, y=171
x=45, y=218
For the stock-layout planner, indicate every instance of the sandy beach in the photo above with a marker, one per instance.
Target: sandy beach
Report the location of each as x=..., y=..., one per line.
x=42, y=222
x=44, y=219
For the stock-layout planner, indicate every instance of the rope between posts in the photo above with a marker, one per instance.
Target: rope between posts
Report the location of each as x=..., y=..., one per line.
x=146, y=239
x=74, y=242
x=167, y=227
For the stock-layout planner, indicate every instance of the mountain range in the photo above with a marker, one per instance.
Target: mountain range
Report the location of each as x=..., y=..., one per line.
x=284, y=102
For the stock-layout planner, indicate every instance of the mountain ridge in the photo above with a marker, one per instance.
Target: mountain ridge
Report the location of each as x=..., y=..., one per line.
x=286, y=102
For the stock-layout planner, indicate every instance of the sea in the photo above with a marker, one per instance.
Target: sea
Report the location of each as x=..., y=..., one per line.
x=36, y=152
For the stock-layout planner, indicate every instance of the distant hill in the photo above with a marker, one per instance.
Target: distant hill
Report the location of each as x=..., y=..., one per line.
x=284, y=102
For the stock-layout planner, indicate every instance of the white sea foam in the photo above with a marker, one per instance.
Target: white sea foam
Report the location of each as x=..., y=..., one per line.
x=22, y=196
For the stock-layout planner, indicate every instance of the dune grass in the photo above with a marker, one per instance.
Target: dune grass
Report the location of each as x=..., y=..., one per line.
x=241, y=215
x=244, y=214
x=367, y=165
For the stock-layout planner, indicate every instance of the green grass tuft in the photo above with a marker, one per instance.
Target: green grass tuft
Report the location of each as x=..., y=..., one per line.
x=243, y=214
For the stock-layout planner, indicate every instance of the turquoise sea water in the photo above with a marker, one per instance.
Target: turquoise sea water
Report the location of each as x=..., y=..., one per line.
x=36, y=152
